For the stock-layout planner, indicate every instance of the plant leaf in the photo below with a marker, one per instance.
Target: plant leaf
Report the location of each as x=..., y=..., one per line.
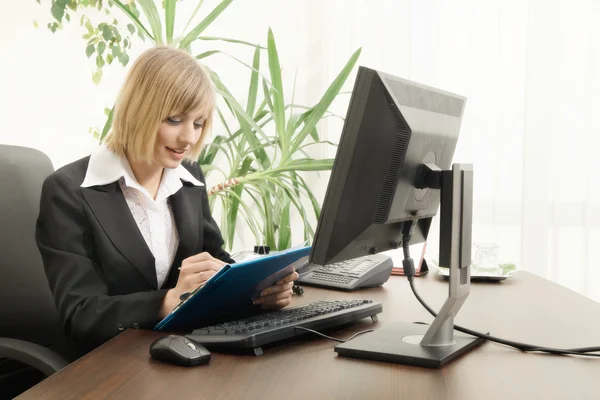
x=206, y=54
x=311, y=196
x=107, y=124
x=194, y=33
x=248, y=215
x=305, y=164
x=290, y=123
x=285, y=232
x=253, y=90
x=170, y=19
x=269, y=229
x=210, y=151
x=132, y=16
x=244, y=120
x=298, y=204
x=278, y=103
x=90, y=50
x=193, y=14
x=233, y=210
x=267, y=94
x=207, y=38
x=314, y=134
x=211, y=52
x=97, y=76
x=57, y=10
x=208, y=168
x=325, y=102
x=317, y=142
x=151, y=13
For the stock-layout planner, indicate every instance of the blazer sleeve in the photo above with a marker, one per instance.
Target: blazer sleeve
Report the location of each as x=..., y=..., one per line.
x=87, y=311
x=213, y=240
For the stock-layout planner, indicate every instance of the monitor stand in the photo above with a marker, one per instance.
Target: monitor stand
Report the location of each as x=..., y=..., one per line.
x=434, y=345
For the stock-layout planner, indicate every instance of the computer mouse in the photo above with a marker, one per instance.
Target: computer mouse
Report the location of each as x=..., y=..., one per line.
x=179, y=350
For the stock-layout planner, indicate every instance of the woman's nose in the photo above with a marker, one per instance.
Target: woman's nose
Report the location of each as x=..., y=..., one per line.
x=188, y=134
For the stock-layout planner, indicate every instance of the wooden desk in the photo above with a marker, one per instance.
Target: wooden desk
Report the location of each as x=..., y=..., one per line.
x=524, y=308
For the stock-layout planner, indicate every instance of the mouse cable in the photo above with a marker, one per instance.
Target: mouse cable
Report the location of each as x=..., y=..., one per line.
x=409, y=269
x=330, y=337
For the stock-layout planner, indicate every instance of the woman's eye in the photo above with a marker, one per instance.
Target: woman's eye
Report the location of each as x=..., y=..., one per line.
x=173, y=121
x=198, y=125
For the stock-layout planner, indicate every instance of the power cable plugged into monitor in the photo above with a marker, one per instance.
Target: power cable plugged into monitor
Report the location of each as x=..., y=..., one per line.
x=409, y=271
x=331, y=337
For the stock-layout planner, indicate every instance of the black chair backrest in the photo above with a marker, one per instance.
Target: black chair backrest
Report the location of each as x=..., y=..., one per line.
x=27, y=309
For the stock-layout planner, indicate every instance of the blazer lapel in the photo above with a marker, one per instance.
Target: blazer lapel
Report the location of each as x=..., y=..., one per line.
x=112, y=212
x=186, y=205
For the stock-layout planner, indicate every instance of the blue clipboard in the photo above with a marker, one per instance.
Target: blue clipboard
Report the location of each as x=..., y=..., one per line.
x=229, y=293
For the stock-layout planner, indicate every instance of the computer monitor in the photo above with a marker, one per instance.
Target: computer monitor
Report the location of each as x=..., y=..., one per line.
x=392, y=127
x=391, y=172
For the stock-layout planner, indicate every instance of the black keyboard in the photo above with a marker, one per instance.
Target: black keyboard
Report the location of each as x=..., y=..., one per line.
x=259, y=330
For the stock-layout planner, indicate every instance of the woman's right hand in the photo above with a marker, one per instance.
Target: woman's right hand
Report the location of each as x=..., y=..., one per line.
x=194, y=271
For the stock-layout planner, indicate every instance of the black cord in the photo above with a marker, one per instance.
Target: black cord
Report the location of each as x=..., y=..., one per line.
x=330, y=337
x=520, y=346
x=359, y=333
x=583, y=351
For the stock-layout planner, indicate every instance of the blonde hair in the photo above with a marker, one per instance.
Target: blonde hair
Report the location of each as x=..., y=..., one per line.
x=162, y=82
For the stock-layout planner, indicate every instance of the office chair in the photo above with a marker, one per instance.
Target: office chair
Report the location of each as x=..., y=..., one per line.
x=28, y=317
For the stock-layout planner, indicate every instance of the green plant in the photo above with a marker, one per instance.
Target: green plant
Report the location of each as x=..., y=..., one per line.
x=264, y=171
x=265, y=154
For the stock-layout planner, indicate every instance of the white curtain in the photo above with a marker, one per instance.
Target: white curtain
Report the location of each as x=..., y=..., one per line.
x=531, y=72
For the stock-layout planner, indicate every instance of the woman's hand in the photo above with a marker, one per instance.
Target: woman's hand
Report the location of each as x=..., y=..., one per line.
x=279, y=295
x=194, y=271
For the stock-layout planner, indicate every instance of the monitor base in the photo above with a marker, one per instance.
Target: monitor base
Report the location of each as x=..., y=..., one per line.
x=399, y=342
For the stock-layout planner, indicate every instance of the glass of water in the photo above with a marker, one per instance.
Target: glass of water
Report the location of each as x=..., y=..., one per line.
x=485, y=261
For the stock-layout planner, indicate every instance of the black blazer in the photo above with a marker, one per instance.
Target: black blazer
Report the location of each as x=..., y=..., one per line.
x=100, y=270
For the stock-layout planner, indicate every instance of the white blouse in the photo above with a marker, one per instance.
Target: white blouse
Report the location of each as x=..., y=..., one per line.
x=155, y=220
x=154, y=217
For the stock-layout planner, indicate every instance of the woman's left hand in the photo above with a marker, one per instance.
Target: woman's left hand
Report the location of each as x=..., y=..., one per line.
x=279, y=295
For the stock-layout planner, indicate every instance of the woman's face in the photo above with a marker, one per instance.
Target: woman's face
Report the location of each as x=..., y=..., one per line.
x=176, y=136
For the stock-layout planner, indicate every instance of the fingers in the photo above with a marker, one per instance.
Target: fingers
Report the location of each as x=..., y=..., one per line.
x=277, y=296
x=196, y=270
x=201, y=262
x=199, y=257
x=276, y=289
x=275, y=300
x=278, y=304
x=197, y=278
x=204, y=256
x=289, y=278
x=197, y=267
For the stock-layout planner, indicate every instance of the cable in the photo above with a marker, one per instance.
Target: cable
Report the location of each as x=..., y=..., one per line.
x=583, y=351
x=520, y=346
x=330, y=337
x=359, y=333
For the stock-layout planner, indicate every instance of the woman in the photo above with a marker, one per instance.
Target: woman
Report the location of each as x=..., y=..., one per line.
x=125, y=232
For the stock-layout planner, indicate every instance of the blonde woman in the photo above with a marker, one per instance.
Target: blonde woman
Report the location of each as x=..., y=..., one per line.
x=125, y=232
